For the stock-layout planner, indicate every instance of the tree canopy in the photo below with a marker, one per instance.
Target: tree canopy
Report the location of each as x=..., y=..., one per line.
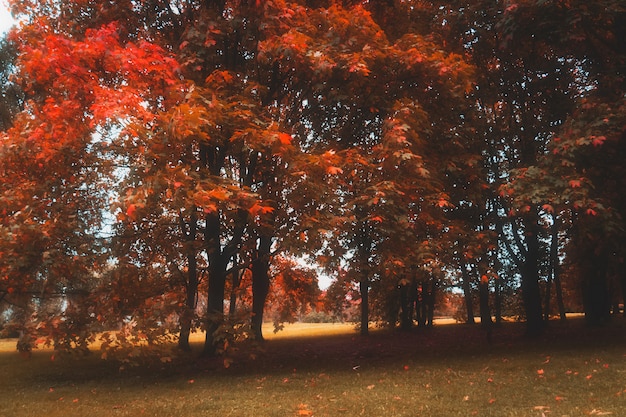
x=165, y=163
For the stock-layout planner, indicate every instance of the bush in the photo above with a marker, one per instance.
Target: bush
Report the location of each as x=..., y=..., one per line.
x=319, y=317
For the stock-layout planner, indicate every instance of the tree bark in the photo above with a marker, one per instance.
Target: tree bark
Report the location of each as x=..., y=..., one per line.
x=191, y=286
x=260, y=284
x=596, y=300
x=467, y=294
x=623, y=282
x=547, y=297
x=432, y=295
x=217, y=283
x=531, y=293
x=364, y=289
x=485, y=311
x=364, y=248
x=406, y=319
x=498, y=299
x=232, y=305
x=555, y=264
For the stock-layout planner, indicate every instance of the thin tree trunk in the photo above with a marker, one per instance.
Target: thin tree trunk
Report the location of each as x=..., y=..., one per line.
x=217, y=283
x=483, y=295
x=191, y=285
x=364, y=248
x=623, y=282
x=364, y=289
x=260, y=284
x=467, y=294
x=235, y=281
x=546, y=297
x=406, y=319
x=485, y=311
x=556, y=268
x=432, y=296
x=498, y=299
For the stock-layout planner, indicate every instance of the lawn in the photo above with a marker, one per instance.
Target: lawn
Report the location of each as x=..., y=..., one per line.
x=329, y=370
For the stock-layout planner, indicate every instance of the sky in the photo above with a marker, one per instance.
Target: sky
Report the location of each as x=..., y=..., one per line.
x=5, y=17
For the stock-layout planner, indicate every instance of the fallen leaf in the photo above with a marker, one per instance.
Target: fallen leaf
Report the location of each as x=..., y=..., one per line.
x=595, y=412
x=303, y=410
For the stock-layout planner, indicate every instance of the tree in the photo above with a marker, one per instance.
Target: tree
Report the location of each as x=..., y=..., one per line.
x=564, y=178
x=158, y=154
x=57, y=159
x=364, y=115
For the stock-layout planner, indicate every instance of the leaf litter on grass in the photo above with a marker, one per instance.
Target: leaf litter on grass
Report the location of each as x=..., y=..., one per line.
x=493, y=380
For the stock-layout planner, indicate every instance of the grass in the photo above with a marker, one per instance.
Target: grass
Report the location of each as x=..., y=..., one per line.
x=328, y=370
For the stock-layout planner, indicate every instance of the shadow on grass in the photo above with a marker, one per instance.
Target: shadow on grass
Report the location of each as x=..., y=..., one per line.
x=343, y=352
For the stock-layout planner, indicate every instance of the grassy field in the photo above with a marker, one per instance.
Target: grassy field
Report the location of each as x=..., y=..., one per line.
x=328, y=370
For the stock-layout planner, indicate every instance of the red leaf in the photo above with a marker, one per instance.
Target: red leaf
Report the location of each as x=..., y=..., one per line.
x=334, y=170
x=257, y=209
x=130, y=212
x=284, y=138
x=598, y=140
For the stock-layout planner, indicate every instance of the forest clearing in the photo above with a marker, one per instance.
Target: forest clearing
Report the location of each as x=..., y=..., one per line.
x=330, y=370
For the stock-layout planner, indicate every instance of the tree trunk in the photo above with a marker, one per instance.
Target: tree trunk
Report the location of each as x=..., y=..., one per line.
x=467, y=294
x=559, y=293
x=191, y=285
x=260, y=284
x=364, y=248
x=406, y=319
x=414, y=300
x=546, y=298
x=596, y=298
x=531, y=293
x=498, y=299
x=364, y=289
x=556, y=268
x=485, y=310
x=623, y=282
x=236, y=281
x=217, y=283
x=432, y=294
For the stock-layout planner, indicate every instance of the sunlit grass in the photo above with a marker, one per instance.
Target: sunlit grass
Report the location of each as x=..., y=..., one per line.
x=448, y=371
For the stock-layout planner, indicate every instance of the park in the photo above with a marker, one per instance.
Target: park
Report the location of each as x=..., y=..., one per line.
x=313, y=208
